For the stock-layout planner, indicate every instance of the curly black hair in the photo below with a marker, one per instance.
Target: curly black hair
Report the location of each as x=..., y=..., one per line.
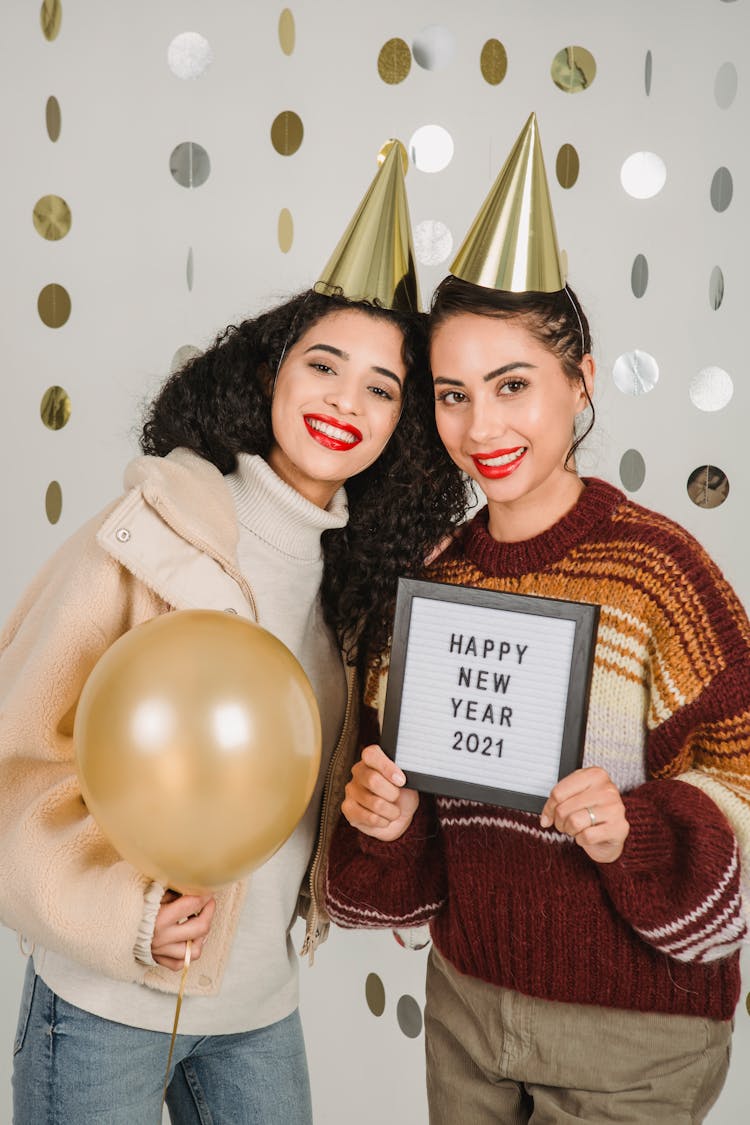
x=400, y=507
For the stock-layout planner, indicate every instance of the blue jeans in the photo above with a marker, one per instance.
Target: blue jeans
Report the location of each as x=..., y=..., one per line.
x=73, y=1067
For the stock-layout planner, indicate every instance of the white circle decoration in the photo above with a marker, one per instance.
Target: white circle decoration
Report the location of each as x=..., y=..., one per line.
x=433, y=242
x=431, y=148
x=711, y=388
x=643, y=175
x=635, y=373
x=189, y=55
x=433, y=47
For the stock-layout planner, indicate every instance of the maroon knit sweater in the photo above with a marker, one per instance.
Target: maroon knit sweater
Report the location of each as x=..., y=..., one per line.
x=524, y=907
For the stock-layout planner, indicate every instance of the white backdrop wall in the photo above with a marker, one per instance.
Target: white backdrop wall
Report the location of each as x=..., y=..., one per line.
x=662, y=85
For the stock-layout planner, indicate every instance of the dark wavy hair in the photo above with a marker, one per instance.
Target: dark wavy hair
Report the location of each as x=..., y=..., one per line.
x=400, y=507
x=555, y=320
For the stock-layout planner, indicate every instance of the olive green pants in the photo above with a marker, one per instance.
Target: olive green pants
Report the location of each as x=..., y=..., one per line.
x=496, y=1056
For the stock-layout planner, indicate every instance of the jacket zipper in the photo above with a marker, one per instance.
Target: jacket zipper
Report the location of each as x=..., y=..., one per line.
x=312, y=929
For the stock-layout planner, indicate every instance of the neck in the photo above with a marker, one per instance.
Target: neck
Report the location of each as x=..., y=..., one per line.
x=318, y=492
x=515, y=521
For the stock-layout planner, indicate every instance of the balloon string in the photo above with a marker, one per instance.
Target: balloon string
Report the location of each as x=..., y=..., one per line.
x=185, y=968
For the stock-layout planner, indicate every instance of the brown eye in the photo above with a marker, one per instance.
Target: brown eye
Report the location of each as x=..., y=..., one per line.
x=513, y=386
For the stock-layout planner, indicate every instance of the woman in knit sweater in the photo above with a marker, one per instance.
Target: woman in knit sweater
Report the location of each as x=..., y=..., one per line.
x=239, y=505
x=585, y=962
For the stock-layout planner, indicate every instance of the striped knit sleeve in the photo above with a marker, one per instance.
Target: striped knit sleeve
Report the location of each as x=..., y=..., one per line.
x=678, y=881
x=375, y=885
x=720, y=768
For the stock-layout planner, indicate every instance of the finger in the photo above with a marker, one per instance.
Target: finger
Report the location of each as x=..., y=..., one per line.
x=572, y=819
x=184, y=907
x=366, y=799
x=173, y=963
x=580, y=825
x=175, y=951
x=561, y=794
x=376, y=758
x=583, y=783
x=184, y=929
x=596, y=836
x=194, y=928
x=368, y=780
x=362, y=818
x=588, y=788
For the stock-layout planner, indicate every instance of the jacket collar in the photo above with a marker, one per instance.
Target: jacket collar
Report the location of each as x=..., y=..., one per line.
x=172, y=484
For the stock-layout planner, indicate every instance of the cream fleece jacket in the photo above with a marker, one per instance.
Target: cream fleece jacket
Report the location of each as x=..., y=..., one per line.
x=170, y=543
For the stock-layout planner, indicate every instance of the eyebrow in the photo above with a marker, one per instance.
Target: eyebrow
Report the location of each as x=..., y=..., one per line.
x=345, y=356
x=515, y=366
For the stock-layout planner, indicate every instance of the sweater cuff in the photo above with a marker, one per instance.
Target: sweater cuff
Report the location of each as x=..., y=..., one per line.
x=408, y=849
x=649, y=842
x=151, y=903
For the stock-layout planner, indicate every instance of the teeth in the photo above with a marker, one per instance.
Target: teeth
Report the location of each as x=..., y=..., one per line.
x=332, y=431
x=505, y=459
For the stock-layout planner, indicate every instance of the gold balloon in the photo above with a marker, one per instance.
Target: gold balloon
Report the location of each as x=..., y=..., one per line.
x=197, y=738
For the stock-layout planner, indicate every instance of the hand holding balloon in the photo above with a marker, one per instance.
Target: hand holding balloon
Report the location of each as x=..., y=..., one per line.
x=181, y=918
x=198, y=743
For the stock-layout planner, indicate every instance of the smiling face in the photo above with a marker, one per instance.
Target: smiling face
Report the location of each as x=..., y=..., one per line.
x=506, y=411
x=336, y=401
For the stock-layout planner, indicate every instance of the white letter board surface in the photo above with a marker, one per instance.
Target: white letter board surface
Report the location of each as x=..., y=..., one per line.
x=487, y=692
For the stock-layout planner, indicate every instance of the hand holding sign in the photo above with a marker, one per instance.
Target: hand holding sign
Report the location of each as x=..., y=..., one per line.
x=376, y=802
x=587, y=806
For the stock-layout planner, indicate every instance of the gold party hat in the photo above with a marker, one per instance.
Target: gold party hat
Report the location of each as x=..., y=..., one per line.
x=374, y=260
x=512, y=244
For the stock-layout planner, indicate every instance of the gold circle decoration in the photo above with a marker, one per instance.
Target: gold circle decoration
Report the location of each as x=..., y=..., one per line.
x=53, y=118
x=285, y=230
x=394, y=61
x=50, y=17
x=287, y=132
x=375, y=994
x=52, y=217
x=55, y=408
x=53, y=501
x=54, y=305
x=573, y=69
x=708, y=486
x=568, y=166
x=286, y=31
x=493, y=62
x=386, y=148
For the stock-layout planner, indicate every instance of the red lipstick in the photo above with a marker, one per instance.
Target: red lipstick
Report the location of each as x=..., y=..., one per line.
x=326, y=430
x=511, y=459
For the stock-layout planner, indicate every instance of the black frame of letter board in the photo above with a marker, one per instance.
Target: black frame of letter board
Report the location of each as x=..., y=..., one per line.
x=586, y=618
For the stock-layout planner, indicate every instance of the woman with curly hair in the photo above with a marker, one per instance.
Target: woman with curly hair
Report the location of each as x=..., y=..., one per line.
x=280, y=479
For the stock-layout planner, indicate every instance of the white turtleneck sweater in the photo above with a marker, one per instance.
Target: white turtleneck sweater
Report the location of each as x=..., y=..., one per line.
x=280, y=556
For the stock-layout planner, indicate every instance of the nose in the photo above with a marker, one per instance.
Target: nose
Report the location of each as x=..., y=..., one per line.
x=345, y=395
x=483, y=426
